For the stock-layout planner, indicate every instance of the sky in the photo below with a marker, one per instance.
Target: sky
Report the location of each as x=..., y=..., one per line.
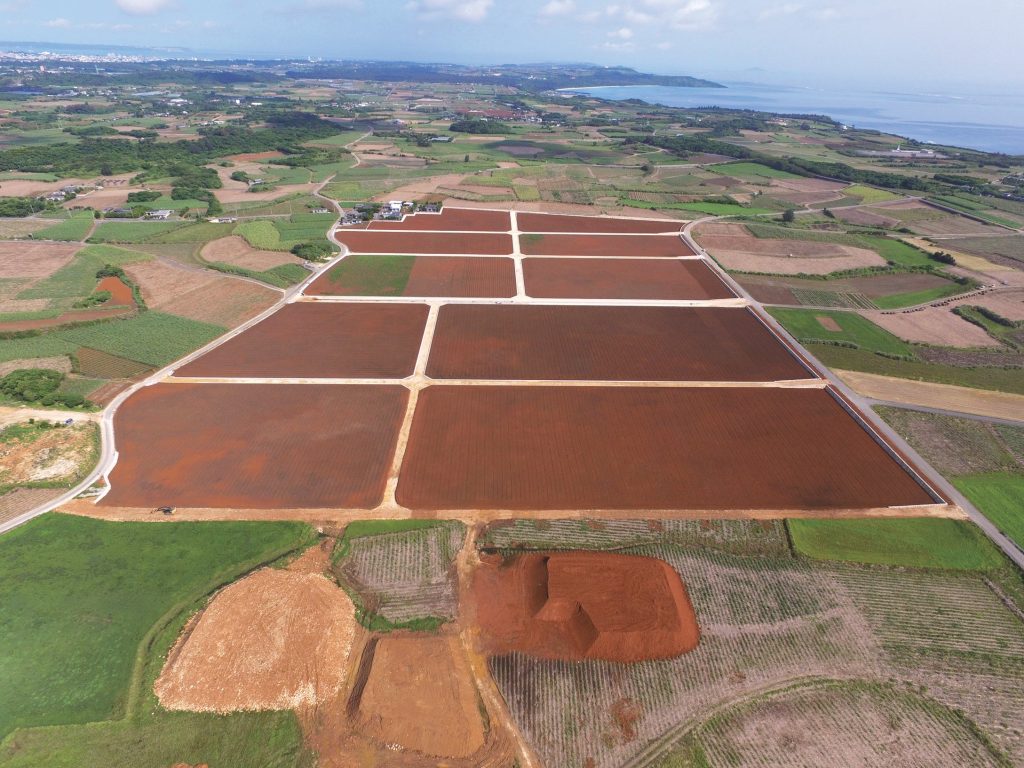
x=867, y=42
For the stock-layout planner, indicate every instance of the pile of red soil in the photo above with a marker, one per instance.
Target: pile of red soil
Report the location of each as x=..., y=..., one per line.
x=584, y=605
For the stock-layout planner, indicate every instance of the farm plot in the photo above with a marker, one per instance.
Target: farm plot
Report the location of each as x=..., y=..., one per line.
x=846, y=725
x=582, y=605
x=487, y=244
x=405, y=576
x=237, y=252
x=607, y=344
x=321, y=340
x=548, y=222
x=95, y=362
x=422, y=276
x=255, y=446
x=277, y=639
x=769, y=623
x=933, y=325
x=603, y=245
x=579, y=448
x=34, y=261
x=622, y=279
x=451, y=220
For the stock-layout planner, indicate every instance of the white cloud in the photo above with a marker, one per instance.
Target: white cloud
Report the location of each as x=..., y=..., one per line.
x=60, y=23
x=676, y=14
x=327, y=5
x=827, y=14
x=462, y=10
x=142, y=7
x=786, y=9
x=625, y=33
x=558, y=8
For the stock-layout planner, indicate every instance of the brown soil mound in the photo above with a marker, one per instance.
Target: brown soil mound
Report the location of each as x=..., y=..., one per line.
x=274, y=640
x=419, y=694
x=584, y=605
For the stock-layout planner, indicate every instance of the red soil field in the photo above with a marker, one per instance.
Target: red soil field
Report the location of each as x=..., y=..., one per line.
x=255, y=446
x=547, y=222
x=321, y=340
x=583, y=605
x=120, y=294
x=622, y=279
x=603, y=245
x=452, y=276
x=452, y=220
x=636, y=448
x=487, y=244
x=120, y=304
x=481, y=341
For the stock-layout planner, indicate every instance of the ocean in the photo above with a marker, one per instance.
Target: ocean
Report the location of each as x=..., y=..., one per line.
x=989, y=122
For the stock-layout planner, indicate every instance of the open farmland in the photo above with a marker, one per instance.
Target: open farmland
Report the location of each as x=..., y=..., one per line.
x=255, y=445
x=485, y=243
x=420, y=276
x=451, y=220
x=607, y=344
x=622, y=279
x=603, y=245
x=546, y=222
x=344, y=341
x=575, y=461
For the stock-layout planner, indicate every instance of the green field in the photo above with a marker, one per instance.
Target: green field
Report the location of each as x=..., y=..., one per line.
x=869, y=195
x=80, y=598
x=721, y=209
x=72, y=229
x=906, y=542
x=1000, y=497
x=132, y=231
x=372, y=275
x=914, y=298
x=259, y=234
x=280, y=276
x=77, y=278
x=750, y=171
x=804, y=324
x=155, y=338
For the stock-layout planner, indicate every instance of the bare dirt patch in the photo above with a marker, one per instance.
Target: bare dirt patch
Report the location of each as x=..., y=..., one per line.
x=364, y=241
x=864, y=218
x=542, y=222
x=52, y=455
x=583, y=605
x=274, y=640
x=236, y=251
x=34, y=260
x=828, y=323
x=419, y=693
x=451, y=219
x=603, y=245
x=622, y=279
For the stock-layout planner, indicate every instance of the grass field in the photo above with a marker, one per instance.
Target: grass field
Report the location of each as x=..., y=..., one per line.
x=150, y=337
x=78, y=277
x=914, y=298
x=375, y=275
x=132, y=231
x=81, y=595
x=1000, y=497
x=804, y=324
x=869, y=195
x=72, y=229
x=910, y=543
x=751, y=171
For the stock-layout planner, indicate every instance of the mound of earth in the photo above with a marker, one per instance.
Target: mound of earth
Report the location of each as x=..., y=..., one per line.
x=274, y=640
x=584, y=605
x=419, y=694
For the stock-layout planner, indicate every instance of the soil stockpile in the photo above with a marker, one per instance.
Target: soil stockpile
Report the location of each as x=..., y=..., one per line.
x=255, y=446
x=603, y=245
x=365, y=241
x=657, y=448
x=419, y=694
x=421, y=276
x=451, y=220
x=622, y=279
x=322, y=340
x=475, y=341
x=584, y=605
x=274, y=640
x=547, y=222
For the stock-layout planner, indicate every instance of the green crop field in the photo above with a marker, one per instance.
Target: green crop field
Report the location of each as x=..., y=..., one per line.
x=372, y=275
x=720, y=209
x=869, y=195
x=804, y=324
x=203, y=232
x=750, y=171
x=72, y=229
x=918, y=297
x=132, y=231
x=155, y=338
x=77, y=278
x=907, y=542
x=83, y=602
x=259, y=234
x=1000, y=497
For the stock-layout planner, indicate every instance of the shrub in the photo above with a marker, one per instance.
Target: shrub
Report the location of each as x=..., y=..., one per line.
x=31, y=384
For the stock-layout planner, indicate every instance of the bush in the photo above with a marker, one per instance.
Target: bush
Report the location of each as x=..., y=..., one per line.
x=144, y=196
x=312, y=251
x=31, y=384
x=110, y=270
x=943, y=258
x=788, y=215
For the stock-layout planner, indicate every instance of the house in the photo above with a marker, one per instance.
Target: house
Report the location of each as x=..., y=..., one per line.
x=162, y=214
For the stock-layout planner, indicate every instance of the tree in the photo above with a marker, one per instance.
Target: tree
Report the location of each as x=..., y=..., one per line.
x=789, y=215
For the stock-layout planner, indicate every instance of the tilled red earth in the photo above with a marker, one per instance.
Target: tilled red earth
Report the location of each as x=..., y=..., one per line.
x=478, y=341
x=631, y=448
x=485, y=243
x=322, y=340
x=550, y=222
x=622, y=279
x=430, y=276
x=603, y=245
x=452, y=220
x=255, y=446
